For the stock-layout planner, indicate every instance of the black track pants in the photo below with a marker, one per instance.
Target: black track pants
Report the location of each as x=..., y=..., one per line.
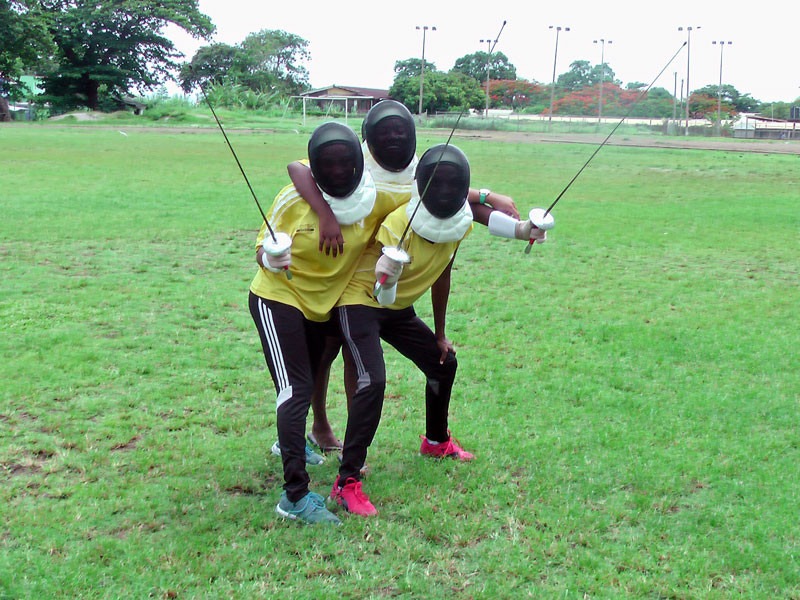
x=362, y=329
x=292, y=348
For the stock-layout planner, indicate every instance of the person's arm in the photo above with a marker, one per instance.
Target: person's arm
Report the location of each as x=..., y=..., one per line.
x=330, y=234
x=440, y=294
x=483, y=198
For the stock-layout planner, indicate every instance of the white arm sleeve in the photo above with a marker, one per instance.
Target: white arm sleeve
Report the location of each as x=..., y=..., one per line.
x=501, y=225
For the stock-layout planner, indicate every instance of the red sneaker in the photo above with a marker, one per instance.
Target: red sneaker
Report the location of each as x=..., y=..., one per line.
x=352, y=497
x=448, y=449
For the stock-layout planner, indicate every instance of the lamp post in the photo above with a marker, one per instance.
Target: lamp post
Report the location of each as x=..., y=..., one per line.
x=488, y=63
x=688, y=62
x=490, y=44
x=558, y=29
x=675, y=99
x=602, y=43
x=424, y=29
x=719, y=89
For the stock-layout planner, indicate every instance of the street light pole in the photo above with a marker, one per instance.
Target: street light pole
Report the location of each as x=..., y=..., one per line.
x=558, y=29
x=424, y=29
x=719, y=89
x=490, y=44
x=488, y=63
x=602, y=43
x=675, y=99
x=688, y=62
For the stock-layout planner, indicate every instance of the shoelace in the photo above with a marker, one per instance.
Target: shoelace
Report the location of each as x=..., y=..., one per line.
x=454, y=444
x=318, y=501
x=358, y=492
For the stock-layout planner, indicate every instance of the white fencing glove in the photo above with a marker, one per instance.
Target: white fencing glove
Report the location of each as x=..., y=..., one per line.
x=387, y=295
x=389, y=267
x=277, y=255
x=536, y=235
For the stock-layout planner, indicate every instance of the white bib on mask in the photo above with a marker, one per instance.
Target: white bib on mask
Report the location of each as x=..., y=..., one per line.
x=434, y=229
x=357, y=205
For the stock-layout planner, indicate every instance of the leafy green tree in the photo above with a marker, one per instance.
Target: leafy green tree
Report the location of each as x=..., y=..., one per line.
x=268, y=61
x=474, y=65
x=25, y=45
x=579, y=76
x=105, y=48
x=442, y=92
x=731, y=96
x=411, y=67
x=777, y=110
x=656, y=103
x=272, y=59
x=603, y=73
x=209, y=65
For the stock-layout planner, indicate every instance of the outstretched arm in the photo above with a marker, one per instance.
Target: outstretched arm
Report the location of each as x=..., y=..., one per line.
x=330, y=234
x=493, y=200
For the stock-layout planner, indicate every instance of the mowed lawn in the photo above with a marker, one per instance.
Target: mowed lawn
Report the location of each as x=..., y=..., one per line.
x=630, y=388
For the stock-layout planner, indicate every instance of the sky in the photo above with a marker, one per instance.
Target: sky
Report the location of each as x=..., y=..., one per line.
x=357, y=44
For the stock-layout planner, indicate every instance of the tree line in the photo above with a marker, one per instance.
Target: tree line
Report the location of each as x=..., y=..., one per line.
x=93, y=54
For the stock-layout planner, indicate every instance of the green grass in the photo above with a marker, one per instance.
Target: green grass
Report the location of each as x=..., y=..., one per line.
x=629, y=388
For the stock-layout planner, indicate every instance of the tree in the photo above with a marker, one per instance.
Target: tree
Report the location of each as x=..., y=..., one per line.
x=442, y=92
x=474, y=65
x=273, y=59
x=731, y=97
x=209, y=65
x=411, y=67
x=268, y=60
x=579, y=76
x=26, y=45
x=518, y=94
x=108, y=47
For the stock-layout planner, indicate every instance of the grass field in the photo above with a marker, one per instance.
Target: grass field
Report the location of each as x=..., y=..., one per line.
x=630, y=388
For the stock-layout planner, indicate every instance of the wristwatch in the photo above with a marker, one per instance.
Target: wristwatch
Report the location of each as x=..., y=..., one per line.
x=483, y=194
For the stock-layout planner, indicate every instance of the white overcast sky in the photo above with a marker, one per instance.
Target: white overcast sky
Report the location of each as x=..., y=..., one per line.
x=357, y=44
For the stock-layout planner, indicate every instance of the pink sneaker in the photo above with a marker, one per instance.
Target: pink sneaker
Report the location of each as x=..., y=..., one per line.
x=352, y=498
x=444, y=449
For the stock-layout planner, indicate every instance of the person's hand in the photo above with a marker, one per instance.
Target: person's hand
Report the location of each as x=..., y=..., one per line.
x=277, y=252
x=445, y=347
x=538, y=236
x=504, y=204
x=278, y=262
x=330, y=237
x=389, y=267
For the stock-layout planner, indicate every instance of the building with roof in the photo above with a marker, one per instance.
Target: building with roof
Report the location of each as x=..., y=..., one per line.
x=352, y=99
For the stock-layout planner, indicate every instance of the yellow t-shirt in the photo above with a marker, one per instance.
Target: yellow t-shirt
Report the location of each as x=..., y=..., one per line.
x=428, y=261
x=318, y=279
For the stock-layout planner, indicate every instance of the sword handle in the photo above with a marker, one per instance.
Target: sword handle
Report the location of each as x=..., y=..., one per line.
x=379, y=284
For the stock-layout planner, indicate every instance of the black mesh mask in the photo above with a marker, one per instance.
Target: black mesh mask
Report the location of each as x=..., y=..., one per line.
x=336, y=160
x=391, y=135
x=447, y=169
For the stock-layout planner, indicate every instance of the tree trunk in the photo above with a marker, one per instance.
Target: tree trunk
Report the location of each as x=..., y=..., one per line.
x=5, y=112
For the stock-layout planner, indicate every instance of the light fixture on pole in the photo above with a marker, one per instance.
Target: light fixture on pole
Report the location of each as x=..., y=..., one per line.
x=558, y=29
x=688, y=62
x=490, y=44
x=602, y=43
x=719, y=89
x=424, y=29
